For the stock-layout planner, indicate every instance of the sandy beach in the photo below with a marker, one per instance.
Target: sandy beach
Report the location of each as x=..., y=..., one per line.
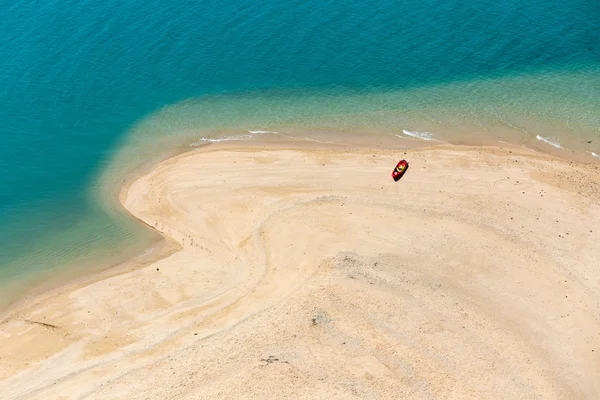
x=309, y=273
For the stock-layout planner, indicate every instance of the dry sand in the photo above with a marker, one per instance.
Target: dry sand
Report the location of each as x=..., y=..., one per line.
x=311, y=274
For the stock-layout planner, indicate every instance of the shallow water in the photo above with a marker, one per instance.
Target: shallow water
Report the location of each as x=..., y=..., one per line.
x=92, y=90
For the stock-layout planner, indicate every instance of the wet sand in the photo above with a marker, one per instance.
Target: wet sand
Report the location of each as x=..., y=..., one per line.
x=309, y=273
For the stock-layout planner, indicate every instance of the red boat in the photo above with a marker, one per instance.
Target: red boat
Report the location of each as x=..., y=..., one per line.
x=400, y=169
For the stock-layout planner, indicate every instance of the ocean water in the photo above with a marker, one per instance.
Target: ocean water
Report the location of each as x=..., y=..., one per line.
x=92, y=89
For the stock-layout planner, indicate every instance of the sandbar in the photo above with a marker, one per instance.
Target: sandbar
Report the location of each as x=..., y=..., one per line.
x=309, y=273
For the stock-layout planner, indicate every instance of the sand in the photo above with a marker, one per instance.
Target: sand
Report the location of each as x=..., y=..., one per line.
x=309, y=273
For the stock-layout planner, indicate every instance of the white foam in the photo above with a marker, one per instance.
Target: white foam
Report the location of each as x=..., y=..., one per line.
x=147, y=251
x=595, y=154
x=418, y=135
x=250, y=136
x=203, y=141
x=551, y=141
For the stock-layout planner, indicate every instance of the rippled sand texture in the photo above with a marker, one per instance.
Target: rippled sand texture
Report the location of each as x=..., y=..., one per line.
x=311, y=274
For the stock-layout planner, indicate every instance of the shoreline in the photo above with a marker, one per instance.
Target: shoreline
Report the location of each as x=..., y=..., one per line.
x=131, y=314
x=110, y=183
x=117, y=185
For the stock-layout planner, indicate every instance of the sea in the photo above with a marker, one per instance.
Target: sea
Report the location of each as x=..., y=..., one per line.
x=91, y=91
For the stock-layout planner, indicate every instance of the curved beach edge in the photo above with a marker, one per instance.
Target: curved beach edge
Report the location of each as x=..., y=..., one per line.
x=310, y=271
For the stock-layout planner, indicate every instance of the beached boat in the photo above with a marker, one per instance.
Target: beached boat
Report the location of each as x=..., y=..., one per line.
x=400, y=169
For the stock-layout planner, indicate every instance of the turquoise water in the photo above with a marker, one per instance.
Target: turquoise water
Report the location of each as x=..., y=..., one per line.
x=84, y=84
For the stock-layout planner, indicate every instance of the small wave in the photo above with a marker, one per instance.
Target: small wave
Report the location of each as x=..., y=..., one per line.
x=418, y=135
x=250, y=136
x=551, y=141
x=595, y=154
x=147, y=251
x=203, y=141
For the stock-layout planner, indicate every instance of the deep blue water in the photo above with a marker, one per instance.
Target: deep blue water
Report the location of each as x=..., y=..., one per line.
x=75, y=76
